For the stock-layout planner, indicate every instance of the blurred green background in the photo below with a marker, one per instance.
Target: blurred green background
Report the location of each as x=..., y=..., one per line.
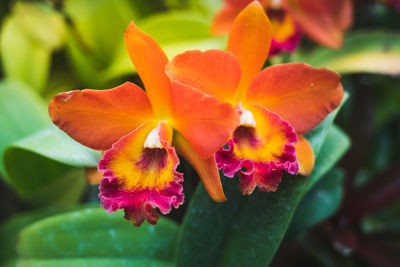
x=343, y=215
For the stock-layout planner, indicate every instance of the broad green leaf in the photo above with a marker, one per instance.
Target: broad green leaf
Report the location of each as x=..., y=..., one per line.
x=176, y=32
x=371, y=52
x=28, y=38
x=44, y=167
x=214, y=234
x=94, y=233
x=10, y=229
x=321, y=202
x=98, y=262
x=22, y=113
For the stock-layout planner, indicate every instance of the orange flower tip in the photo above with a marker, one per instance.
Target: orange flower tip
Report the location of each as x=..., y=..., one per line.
x=140, y=179
x=260, y=153
x=305, y=156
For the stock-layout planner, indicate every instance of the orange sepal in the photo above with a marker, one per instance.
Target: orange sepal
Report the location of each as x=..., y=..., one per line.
x=224, y=19
x=150, y=60
x=205, y=168
x=250, y=39
x=299, y=93
x=99, y=118
x=204, y=121
x=324, y=20
x=305, y=155
x=214, y=72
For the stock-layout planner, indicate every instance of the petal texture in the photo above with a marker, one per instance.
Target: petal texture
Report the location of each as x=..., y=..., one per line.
x=150, y=60
x=324, y=20
x=139, y=179
x=249, y=40
x=99, y=118
x=202, y=119
x=214, y=72
x=299, y=93
x=263, y=151
x=206, y=168
x=305, y=156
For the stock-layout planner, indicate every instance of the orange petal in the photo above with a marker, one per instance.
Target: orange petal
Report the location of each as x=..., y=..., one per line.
x=250, y=39
x=323, y=20
x=214, y=72
x=305, y=155
x=224, y=19
x=204, y=121
x=205, y=168
x=150, y=60
x=98, y=118
x=299, y=93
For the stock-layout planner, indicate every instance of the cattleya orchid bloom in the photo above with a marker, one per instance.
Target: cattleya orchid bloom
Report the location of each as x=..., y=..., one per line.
x=139, y=131
x=273, y=104
x=324, y=21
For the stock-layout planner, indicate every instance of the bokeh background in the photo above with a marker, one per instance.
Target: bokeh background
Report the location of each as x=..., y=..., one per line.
x=48, y=196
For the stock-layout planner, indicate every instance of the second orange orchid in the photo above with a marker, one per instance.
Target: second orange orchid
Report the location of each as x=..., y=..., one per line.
x=273, y=104
x=324, y=21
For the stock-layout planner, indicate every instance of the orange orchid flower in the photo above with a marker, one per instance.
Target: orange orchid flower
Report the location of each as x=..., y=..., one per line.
x=272, y=104
x=324, y=21
x=140, y=131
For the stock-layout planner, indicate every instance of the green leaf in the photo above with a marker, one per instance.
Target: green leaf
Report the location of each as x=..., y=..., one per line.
x=10, y=229
x=321, y=202
x=97, y=33
x=98, y=262
x=22, y=113
x=94, y=233
x=39, y=167
x=370, y=52
x=214, y=234
x=176, y=32
x=27, y=40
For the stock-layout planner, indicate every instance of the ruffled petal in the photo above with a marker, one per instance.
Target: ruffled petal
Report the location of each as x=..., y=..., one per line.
x=140, y=179
x=213, y=72
x=202, y=119
x=263, y=151
x=305, y=156
x=325, y=21
x=98, y=118
x=249, y=40
x=299, y=93
x=150, y=60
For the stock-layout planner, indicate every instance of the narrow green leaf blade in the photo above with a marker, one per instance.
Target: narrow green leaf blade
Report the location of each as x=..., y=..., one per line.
x=363, y=52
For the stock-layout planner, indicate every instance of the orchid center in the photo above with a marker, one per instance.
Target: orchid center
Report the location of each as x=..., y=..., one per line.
x=153, y=139
x=276, y=4
x=247, y=119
